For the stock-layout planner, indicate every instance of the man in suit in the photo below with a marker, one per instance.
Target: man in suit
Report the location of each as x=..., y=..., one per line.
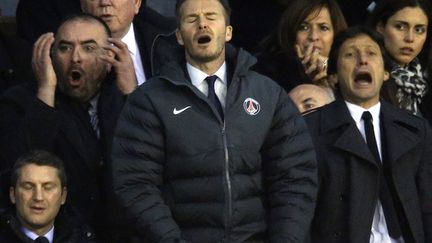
x=374, y=160
x=136, y=28
x=72, y=112
x=38, y=192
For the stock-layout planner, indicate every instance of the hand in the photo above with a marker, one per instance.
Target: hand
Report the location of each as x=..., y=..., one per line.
x=118, y=57
x=43, y=68
x=315, y=65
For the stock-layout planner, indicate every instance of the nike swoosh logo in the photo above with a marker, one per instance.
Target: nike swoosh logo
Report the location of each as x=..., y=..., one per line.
x=176, y=112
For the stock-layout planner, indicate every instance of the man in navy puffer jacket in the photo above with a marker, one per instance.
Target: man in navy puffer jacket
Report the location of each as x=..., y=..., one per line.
x=211, y=151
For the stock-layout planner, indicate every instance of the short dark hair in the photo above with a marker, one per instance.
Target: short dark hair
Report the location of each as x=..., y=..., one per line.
x=40, y=158
x=294, y=15
x=224, y=3
x=353, y=32
x=86, y=18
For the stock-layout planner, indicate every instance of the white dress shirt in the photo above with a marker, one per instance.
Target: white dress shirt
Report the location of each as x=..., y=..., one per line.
x=134, y=52
x=379, y=231
x=49, y=235
x=198, y=80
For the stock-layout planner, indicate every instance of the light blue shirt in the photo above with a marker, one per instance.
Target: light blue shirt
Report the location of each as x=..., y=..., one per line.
x=30, y=234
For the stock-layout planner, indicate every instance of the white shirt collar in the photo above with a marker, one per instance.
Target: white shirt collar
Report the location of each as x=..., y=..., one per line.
x=130, y=41
x=30, y=234
x=197, y=76
x=356, y=111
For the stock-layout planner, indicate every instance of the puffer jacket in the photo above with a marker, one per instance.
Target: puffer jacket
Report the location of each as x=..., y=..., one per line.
x=182, y=173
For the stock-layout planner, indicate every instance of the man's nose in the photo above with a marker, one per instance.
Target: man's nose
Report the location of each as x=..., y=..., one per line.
x=203, y=24
x=363, y=59
x=104, y=2
x=76, y=55
x=37, y=194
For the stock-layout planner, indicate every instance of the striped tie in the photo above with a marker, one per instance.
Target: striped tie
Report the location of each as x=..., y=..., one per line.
x=94, y=120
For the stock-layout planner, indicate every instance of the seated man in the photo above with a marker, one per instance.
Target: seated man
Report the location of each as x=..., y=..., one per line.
x=38, y=191
x=374, y=160
x=81, y=88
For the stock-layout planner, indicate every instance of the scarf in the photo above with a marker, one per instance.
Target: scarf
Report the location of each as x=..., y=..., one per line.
x=411, y=85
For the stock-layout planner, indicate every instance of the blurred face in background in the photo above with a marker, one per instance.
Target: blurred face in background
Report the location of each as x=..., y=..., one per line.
x=316, y=31
x=117, y=14
x=309, y=96
x=405, y=34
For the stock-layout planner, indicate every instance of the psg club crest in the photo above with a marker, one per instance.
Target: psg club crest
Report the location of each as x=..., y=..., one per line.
x=251, y=106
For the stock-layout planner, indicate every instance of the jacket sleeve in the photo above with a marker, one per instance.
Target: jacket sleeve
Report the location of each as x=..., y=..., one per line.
x=424, y=183
x=25, y=123
x=290, y=174
x=137, y=166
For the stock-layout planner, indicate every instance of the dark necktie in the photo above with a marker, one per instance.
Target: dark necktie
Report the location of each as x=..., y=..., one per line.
x=94, y=120
x=212, y=95
x=41, y=239
x=384, y=192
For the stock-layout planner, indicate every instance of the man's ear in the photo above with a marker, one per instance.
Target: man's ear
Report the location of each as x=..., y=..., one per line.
x=228, y=33
x=64, y=195
x=179, y=37
x=12, y=194
x=137, y=6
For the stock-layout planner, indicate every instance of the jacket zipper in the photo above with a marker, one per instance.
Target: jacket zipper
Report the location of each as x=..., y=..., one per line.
x=228, y=184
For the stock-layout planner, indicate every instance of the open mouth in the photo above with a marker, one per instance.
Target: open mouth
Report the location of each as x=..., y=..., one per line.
x=76, y=75
x=204, y=39
x=363, y=77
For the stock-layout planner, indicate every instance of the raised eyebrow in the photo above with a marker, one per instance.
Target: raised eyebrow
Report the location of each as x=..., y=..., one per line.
x=64, y=42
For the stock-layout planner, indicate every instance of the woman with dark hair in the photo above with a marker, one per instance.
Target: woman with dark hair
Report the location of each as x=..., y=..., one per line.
x=297, y=52
x=404, y=25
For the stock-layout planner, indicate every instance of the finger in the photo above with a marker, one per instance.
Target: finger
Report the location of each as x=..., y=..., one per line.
x=39, y=46
x=312, y=68
x=118, y=53
x=118, y=43
x=319, y=76
x=299, y=52
x=46, y=49
x=109, y=59
x=307, y=54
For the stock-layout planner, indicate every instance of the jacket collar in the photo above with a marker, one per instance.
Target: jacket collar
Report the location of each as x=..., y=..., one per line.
x=400, y=130
x=238, y=62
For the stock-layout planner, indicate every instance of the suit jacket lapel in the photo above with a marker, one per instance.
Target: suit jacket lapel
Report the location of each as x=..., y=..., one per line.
x=398, y=132
x=350, y=139
x=79, y=132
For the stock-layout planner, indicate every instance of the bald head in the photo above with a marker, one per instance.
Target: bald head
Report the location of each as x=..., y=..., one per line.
x=310, y=96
